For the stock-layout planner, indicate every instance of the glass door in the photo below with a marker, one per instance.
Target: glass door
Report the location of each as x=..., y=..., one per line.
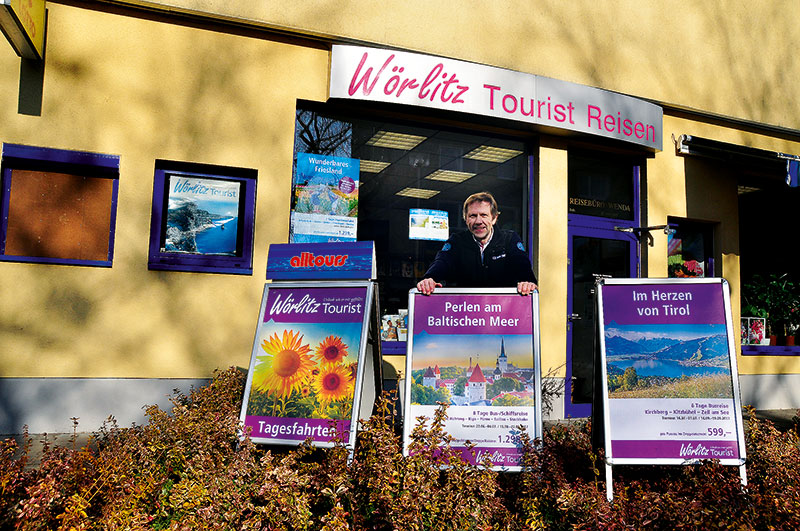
x=594, y=252
x=603, y=204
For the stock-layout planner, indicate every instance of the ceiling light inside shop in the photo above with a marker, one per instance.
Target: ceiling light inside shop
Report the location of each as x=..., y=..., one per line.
x=492, y=154
x=419, y=193
x=450, y=176
x=373, y=166
x=389, y=139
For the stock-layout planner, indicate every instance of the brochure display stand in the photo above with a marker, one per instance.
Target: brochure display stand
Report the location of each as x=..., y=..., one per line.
x=315, y=364
x=478, y=351
x=669, y=376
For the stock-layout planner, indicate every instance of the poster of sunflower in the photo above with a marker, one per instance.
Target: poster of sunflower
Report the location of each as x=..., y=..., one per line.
x=307, y=364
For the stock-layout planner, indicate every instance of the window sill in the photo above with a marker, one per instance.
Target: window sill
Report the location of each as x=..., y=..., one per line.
x=770, y=350
x=397, y=348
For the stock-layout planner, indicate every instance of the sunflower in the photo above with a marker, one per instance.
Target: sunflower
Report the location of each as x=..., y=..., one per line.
x=286, y=365
x=333, y=383
x=331, y=350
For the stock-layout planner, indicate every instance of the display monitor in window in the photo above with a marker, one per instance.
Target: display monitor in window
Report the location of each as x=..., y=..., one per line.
x=690, y=249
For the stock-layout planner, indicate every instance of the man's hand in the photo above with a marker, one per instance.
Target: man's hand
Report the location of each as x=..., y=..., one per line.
x=426, y=286
x=526, y=288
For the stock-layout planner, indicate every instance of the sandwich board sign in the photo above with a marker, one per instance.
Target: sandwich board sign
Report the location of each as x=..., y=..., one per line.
x=670, y=385
x=476, y=349
x=313, y=372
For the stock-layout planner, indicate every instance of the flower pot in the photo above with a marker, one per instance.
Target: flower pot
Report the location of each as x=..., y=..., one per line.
x=789, y=341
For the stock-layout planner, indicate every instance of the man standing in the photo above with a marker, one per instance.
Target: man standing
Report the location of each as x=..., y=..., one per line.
x=481, y=256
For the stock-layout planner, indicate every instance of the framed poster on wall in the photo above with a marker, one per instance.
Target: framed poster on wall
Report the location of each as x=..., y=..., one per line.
x=670, y=380
x=203, y=217
x=476, y=349
x=308, y=363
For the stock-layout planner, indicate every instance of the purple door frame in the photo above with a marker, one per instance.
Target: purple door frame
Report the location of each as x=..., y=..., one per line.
x=601, y=228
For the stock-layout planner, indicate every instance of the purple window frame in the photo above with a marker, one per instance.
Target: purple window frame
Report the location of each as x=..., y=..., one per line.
x=18, y=156
x=242, y=263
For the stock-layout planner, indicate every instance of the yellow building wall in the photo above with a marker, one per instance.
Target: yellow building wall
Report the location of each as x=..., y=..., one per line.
x=145, y=90
x=732, y=58
x=551, y=230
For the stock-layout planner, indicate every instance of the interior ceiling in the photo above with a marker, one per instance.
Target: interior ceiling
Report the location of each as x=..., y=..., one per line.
x=413, y=168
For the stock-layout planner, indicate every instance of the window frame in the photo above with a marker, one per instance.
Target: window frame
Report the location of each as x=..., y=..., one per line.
x=43, y=159
x=241, y=264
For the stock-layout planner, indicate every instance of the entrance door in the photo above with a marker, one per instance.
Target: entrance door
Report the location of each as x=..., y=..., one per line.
x=594, y=251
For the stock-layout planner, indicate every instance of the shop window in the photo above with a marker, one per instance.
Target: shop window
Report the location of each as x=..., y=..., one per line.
x=690, y=249
x=58, y=206
x=601, y=185
x=202, y=218
x=407, y=192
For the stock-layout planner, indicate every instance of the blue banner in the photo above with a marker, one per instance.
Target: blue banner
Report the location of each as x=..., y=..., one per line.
x=319, y=261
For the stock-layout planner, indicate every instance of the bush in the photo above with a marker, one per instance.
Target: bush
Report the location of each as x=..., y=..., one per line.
x=187, y=469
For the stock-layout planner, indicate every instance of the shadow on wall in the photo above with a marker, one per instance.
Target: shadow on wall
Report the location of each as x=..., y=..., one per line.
x=47, y=405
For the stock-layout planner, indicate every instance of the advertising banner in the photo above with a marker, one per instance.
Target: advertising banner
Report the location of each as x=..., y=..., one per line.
x=325, y=199
x=671, y=390
x=478, y=351
x=307, y=364
x=318, y=261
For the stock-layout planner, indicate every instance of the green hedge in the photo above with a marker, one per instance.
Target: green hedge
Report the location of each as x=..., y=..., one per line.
x=185, y=469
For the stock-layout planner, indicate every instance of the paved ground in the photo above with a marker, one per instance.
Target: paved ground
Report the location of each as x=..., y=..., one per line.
x=783, y=418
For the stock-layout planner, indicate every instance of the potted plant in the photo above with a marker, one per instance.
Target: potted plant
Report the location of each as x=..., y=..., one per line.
x=777, y=298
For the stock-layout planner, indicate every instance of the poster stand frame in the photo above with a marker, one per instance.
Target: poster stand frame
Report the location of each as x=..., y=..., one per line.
x=535, y=423
x=368, y=371
x=610, y=461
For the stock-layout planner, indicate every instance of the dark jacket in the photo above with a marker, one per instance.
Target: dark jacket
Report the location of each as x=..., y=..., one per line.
x=505, y=262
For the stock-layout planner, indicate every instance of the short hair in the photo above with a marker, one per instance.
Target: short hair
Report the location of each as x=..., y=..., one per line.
x=480, y=197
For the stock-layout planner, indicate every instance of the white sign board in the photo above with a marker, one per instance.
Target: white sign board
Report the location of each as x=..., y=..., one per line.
x=360, y=73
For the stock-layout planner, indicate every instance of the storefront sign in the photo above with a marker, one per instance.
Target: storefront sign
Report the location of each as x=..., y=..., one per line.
x=22, y=22
x=477, y=350
x=371, y=74
x=671, y=388
x=307, y=365
x=318, y=261
x=325, y=199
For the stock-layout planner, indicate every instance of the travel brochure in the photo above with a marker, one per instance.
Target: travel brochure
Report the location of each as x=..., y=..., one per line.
x=394, y=326
x=202, y=216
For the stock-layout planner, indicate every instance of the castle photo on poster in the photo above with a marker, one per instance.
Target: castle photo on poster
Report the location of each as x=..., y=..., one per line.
x=472, y=370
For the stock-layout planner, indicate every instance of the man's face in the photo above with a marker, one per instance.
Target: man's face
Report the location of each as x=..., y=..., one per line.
x=480, y=220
